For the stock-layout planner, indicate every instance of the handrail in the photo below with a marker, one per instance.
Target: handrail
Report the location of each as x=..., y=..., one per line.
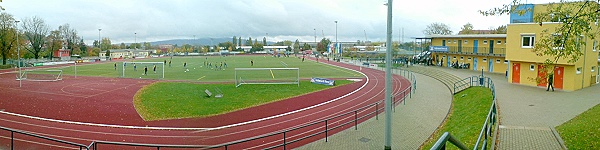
x=441, y=143
x=491, y=118
x=12, y=131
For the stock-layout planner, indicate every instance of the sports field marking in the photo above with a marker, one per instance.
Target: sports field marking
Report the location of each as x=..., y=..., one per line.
x=273, y=75
x=200, y=77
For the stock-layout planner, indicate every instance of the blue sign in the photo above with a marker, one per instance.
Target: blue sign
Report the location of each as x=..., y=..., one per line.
x=322, y=81
x=438, y=48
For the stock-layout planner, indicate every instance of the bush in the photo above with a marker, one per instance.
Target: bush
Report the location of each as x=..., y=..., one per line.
x=7, y=66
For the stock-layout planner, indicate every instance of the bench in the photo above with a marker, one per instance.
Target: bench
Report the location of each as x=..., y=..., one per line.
x=208, y=93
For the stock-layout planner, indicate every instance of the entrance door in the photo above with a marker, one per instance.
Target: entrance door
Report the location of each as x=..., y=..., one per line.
x=516, y=73
x=443, y=42
x=475, y=46
x=491, y=46
x=598, y=75
x=448, y=60
x=459, y=45
x=542, y=76
x=559, y=72
x=475, y=63
x=491, y=65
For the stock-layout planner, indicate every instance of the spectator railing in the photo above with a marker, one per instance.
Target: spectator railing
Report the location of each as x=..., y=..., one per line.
x=488, y=130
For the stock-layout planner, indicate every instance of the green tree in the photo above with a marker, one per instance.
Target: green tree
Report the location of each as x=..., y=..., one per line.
x=234, y=41
x=69, y=35
x=95, y=51
x=53, y=42
x=578, y=20
x=105, y=44
x=466, y=29
x=249, y=42
x=306, y=46
x=35, y=30
x=147, y=45
x=123, y=46
x=322, y=46
x=500, y=30
x=297, y=44
x=107, y=54
x=265, y=41
x=84, y=48
x=8, y=38
x=437, y=28
x=239, y=42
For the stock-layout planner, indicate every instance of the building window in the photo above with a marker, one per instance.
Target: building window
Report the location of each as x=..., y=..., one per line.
x=578, y=71
x=454, y=57
x=531, y=67
x=595, y=47
x=466, y=41
x=498, y=61
x=593, y=68
x=506, y=61
x=454, y=41
x=448, y=41
x=469, y=58
x=484, y=41
x=558, y=41
x=485, y=60
x=461, y=57
x=527, y=41
x=499, y=42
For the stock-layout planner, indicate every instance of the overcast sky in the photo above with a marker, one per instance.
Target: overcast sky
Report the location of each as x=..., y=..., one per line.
x=155, y=20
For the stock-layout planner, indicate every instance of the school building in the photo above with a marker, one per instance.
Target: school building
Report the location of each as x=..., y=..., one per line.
x=511, y=53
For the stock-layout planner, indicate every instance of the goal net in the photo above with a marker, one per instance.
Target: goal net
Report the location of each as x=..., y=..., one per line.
x=40, y=75
x=155, y=70
x=267, y=76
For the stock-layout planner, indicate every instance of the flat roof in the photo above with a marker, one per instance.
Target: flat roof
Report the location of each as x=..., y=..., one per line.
x=470, y=36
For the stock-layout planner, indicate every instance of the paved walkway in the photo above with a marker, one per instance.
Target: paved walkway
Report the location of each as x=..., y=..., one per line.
x=528, y=115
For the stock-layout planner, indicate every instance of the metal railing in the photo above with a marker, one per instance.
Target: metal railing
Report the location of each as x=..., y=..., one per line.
x=488, y=130
x=12, y=138
x=475, y=50
x=441, y=143
x=359, y=115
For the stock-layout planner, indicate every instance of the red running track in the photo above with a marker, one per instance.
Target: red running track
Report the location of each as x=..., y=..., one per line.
x=97, y=102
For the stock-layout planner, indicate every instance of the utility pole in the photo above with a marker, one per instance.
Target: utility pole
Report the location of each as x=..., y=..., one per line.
x=19, y=54
x=388, y=80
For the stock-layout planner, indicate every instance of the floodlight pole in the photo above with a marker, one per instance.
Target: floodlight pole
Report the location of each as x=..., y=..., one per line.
x=388, y=80
x=19, y=53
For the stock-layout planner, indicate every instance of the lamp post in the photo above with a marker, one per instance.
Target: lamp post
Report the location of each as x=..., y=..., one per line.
x=388, y=81
x=336, y=41
x=135, y=40
x=19, y=53
x=315, y=36
x=99, y=42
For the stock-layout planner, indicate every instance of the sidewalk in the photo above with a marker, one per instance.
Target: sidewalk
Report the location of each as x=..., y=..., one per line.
x=412, y=123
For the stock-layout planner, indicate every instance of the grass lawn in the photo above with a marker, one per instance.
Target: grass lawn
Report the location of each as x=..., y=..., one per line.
x=469, y=110
x=199, y=72
x=173, y=100
x=583, y=131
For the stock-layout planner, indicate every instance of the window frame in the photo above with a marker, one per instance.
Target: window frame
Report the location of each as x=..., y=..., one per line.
x=531, y=42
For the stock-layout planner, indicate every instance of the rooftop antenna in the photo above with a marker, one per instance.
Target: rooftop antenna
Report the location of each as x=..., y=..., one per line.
x=365, y=36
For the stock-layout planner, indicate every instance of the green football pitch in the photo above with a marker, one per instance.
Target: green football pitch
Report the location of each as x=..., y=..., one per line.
x=196, y=70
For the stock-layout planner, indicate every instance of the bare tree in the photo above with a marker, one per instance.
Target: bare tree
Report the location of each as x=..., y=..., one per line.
x=69, y=35
x=35, y=30
x=466, y=29
x=437, y=28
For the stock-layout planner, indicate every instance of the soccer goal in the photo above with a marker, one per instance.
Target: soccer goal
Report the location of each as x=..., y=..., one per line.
x=266, y=76
x=155, y=70
x=40, y=75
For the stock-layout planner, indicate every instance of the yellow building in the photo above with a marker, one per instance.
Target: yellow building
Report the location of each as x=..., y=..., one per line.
x=512, y=54
x=478, y=51
x=525, y=64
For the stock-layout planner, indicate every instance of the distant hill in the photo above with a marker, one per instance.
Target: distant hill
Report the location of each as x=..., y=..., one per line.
x=202, y=41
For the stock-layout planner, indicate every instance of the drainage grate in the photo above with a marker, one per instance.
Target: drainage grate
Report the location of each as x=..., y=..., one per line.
x=363, y=139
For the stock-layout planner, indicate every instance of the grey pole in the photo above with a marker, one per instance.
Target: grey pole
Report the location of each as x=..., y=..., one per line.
x=19, y=53
x=388, y=80
x=336, y=41
x=99, y=41
x=315, y=36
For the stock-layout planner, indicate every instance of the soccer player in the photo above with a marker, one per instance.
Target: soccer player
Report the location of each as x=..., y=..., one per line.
x=251, y=62
x=115, y=66
x=154, y=68
x=169, y=63
x=184, y=64
x=134, y=67
x=145, y=70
